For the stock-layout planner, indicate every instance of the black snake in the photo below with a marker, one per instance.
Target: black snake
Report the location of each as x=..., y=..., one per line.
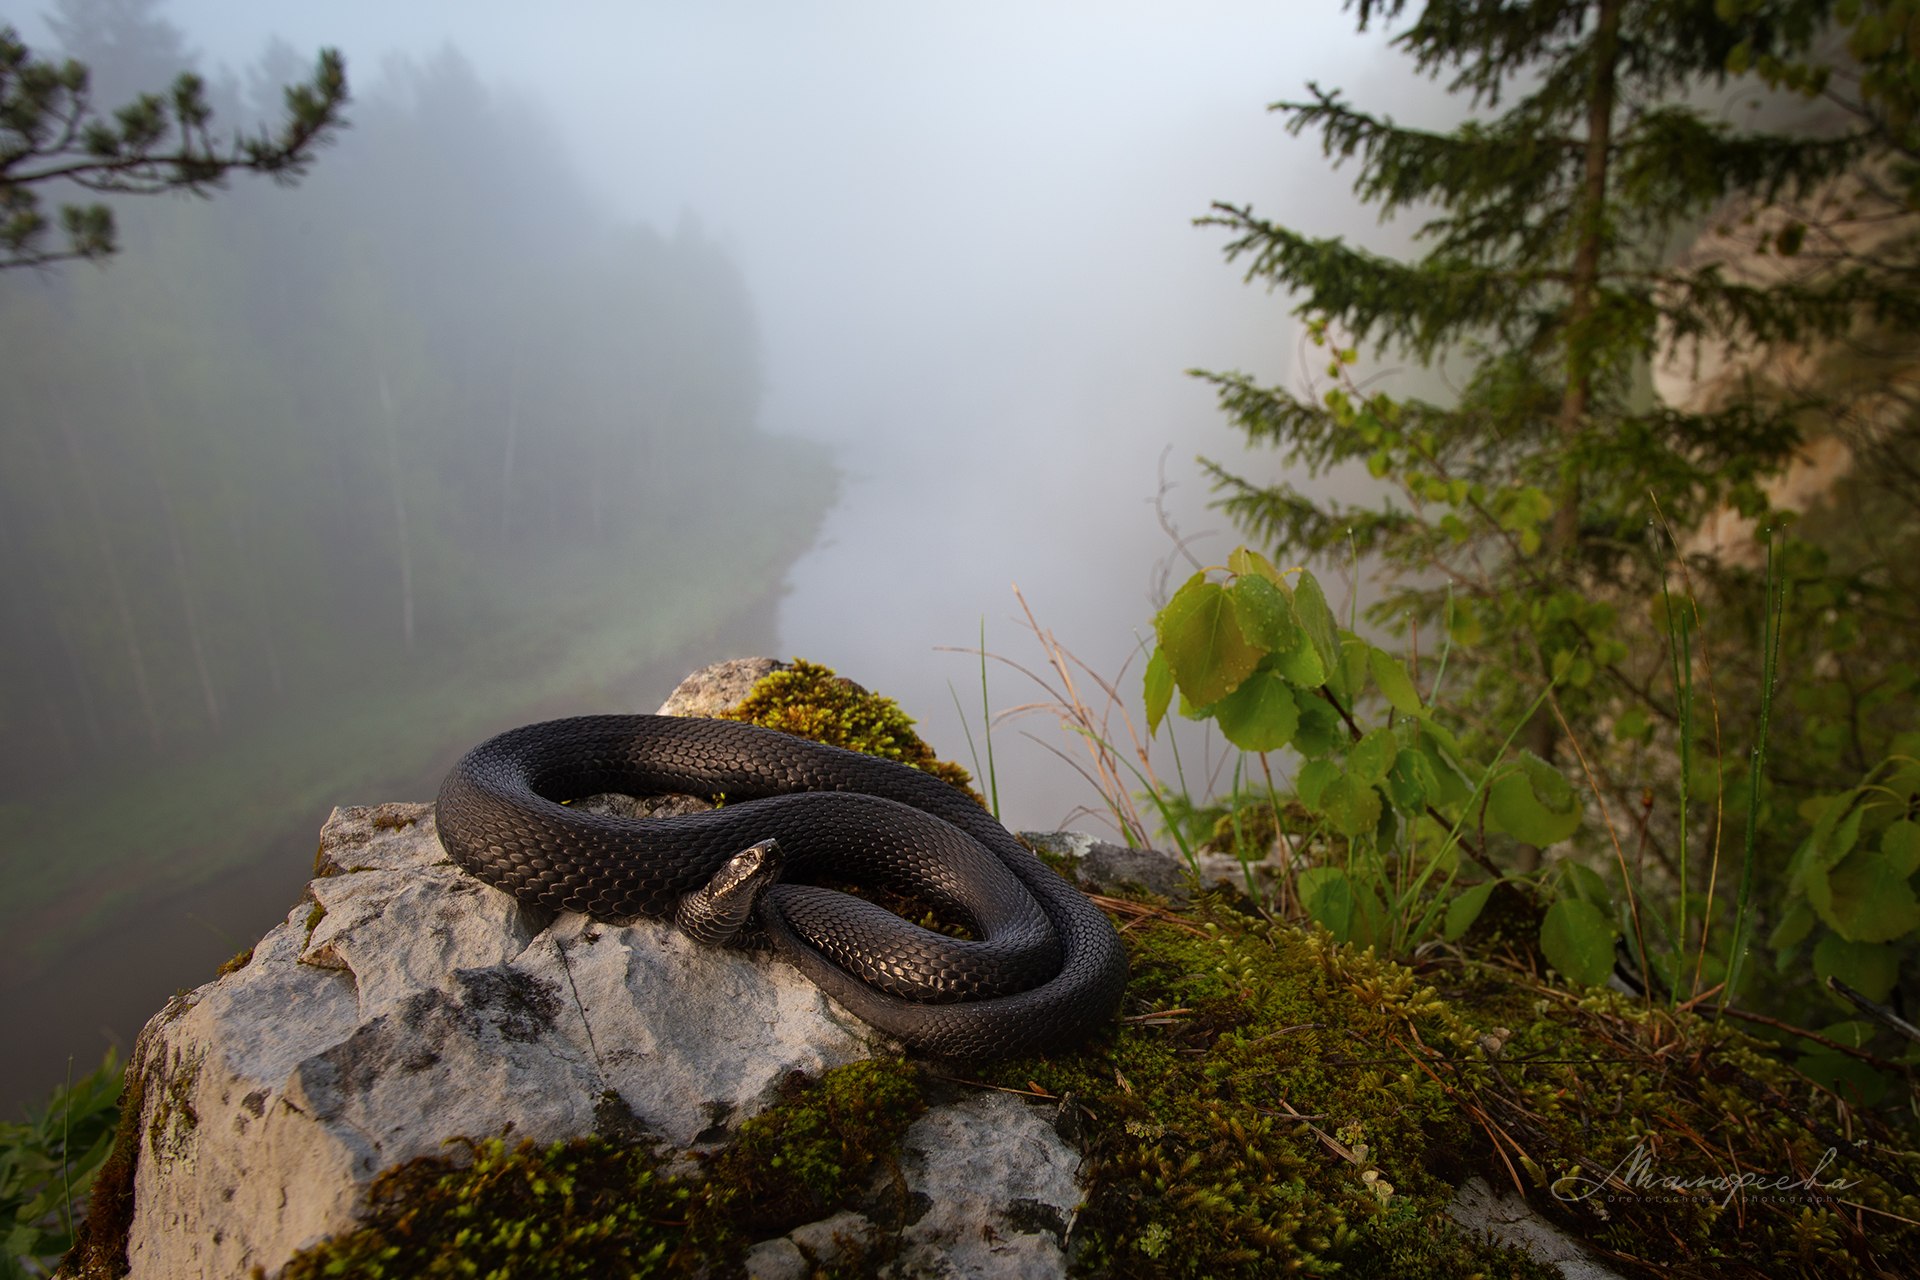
x=1045, y=970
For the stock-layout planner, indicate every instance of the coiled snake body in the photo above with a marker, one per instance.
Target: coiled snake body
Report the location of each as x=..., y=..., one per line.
x=1045, y=970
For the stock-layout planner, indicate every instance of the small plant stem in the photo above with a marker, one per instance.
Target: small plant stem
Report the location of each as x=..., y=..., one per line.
x=1446, y=649
x=1619, y=854
x=1686, y=746
x=973, y=752
x=1756, y=769
x=986, y=715
x=66, y=1165
x=1286, y=898
x=1679, y=650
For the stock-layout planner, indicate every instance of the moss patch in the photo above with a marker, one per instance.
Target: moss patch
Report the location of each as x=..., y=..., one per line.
x=1279, y=1104
x=810, y=701
x=593, y=1208
x=100, y=1243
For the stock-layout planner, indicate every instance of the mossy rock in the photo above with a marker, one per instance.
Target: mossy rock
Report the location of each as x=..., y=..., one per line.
x=1279, y=1104
x=810, y=701
x=590, y=1208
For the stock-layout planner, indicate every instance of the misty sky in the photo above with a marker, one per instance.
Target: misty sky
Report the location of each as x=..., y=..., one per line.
x=967, y=232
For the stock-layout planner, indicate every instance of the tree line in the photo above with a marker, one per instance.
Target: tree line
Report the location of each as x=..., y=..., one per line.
x=286, y=440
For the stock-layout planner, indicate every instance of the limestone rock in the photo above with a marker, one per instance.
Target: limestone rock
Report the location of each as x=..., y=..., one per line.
x=718, y=687
x=1508, y=1218
x=402, y=1004
x=408, y=1004
x=1115, y=867
x=999, y=1189
x=991, y=1191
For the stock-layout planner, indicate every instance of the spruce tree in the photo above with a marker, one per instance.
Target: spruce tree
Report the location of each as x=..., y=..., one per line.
x=1541, y=513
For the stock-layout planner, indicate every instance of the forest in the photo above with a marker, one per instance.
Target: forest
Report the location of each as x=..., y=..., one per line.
x=298, y=473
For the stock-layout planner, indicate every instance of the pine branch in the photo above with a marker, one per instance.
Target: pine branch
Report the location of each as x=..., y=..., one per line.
x=51, y=133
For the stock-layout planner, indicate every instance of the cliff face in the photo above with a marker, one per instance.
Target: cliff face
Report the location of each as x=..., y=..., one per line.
x=1870, y=375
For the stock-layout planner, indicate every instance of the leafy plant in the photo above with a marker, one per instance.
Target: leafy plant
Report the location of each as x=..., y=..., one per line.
x=1391, y=803
x=1592, y=552
x=1851, y=880
x=47, y=1164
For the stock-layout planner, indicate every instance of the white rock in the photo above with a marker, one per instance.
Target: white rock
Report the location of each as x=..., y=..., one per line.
x=999, y=1189
x=403, y=1004
x=421, y=1006
x=777, y=1259
x=1509, y=1219
x=846, y=1237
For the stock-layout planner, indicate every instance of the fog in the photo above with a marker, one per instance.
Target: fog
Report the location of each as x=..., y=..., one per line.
x=947, y=252
x=968, y=235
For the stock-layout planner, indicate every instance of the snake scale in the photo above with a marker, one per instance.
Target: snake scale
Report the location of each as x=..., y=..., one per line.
x=1043, y=971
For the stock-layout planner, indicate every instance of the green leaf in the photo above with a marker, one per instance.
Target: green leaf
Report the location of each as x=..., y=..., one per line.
x=1793, y=928
x=1534, y=803
x=1327, y=894
x=1351, y=806
x=1205, y=649
x=1442, y=754
x=1310, y=606
x=1581, y=881
x=1351, y=677
x=1411, y=782
x=1825, y=849
x=1577, y=939
x=1867, y=899
x=1465, y=909
x=1395, y=684
x=1245, y=561
x=1634, y=725
x=1369, y=759
x=1264, y=614
x=1868, y=967
x=1320, y=729
x=1900, y=846
x=1312, y=779
x=1301, y=664
x=1158, y=690
x=1834, y=831
x=1261, y=715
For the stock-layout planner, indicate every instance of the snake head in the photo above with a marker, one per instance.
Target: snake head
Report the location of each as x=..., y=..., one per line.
x=719, y=910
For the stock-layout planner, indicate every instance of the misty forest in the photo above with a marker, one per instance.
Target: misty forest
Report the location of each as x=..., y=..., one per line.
x=1564, y=648
x=284, y=495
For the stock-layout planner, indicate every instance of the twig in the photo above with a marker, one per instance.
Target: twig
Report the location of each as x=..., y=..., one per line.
x=1825, y=1043
x=1878, y=1012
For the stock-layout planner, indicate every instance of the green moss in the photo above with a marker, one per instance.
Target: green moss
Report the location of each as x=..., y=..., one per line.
x=592, y=1208
x=241, y=961
x=1303, y=1107
x=810, y=701
x=393, y=817
x=100, y=1242
x=810, y=1155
